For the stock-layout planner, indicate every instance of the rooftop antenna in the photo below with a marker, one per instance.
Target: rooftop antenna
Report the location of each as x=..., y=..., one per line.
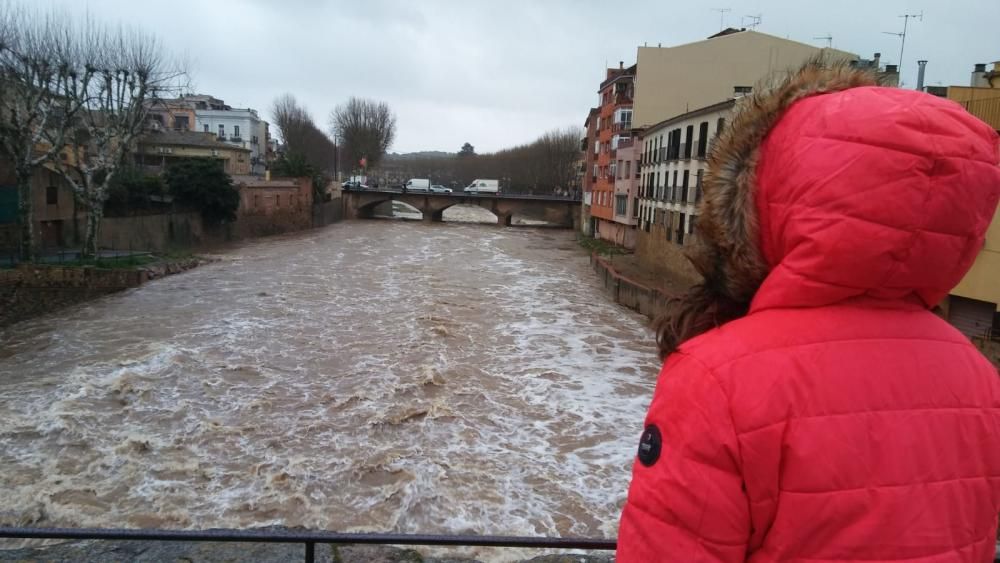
x=722, y=16
x=828, y=38
x=754, y=21
x=902, y=39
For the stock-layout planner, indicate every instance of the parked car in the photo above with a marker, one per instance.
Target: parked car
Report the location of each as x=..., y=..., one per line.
x=417, y=185
x=439, y=189
x=354, y=185
x=483, y=186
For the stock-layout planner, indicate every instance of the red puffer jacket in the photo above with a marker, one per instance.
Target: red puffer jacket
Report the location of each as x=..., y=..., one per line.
x=838, y=419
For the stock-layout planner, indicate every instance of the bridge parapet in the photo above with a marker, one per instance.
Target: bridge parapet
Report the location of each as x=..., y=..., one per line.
x=555, y=210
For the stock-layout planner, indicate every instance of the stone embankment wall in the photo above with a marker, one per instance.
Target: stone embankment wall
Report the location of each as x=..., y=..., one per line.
x=31, y=290
x=632, y=294
x=171, y=231
x=152, y=233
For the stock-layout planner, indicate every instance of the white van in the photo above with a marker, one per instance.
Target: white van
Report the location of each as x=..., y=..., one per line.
x=417, y=185
x=483, y=186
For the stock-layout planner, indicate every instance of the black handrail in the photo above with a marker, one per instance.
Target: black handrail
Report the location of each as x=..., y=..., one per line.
x=309, y=538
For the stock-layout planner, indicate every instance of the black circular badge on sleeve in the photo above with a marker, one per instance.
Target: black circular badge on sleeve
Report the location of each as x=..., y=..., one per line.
x=649, y=445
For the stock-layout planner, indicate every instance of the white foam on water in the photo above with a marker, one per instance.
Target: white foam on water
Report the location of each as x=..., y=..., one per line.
x=376, y=376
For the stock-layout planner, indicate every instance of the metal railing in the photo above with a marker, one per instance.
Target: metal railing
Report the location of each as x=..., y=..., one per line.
x=308, y=538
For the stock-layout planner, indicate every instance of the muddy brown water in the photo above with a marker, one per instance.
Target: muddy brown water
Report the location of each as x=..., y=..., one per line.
x=369, y=376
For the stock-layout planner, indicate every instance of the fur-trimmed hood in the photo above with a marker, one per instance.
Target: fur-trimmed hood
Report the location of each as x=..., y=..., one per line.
x=786, y=223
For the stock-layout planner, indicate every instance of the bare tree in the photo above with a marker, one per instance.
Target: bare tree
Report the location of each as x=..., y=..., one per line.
x=301, y=135
x=366, y=129
x=129, y=69
x=38, y=72
x=542, y=166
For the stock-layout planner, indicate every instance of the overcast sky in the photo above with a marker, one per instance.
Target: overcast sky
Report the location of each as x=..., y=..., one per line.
x=500, y=72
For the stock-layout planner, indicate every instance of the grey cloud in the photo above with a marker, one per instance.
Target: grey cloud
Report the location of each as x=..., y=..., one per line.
x=496, y=73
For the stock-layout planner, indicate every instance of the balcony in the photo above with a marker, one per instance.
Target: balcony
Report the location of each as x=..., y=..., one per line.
x=235, y=139
x=622, y=126
x=625, y=143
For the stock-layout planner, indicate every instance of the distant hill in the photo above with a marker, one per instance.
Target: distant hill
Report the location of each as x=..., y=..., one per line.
x=418, y=155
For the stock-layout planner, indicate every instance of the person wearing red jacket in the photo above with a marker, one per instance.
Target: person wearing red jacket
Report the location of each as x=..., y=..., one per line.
x=811, y=406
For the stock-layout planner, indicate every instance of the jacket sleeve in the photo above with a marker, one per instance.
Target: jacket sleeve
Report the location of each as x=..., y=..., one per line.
x=689, y=503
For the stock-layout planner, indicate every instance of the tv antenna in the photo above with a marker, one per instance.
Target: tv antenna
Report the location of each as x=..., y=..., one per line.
x=754, y=21
x=722, y=15
x=902, y=39
x=828, y=38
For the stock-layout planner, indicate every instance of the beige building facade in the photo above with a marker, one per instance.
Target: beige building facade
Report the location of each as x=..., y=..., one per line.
x=672, y=169
x=675, y=80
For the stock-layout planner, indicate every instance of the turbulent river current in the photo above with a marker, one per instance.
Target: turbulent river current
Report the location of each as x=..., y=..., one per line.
x=369, y=376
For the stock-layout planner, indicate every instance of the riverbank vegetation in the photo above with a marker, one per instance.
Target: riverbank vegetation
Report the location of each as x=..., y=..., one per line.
x=599, y=246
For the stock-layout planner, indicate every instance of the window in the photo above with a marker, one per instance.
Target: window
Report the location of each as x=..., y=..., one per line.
x=612, y=170
x=742, y=90
x=597, y=147
x=688, y=140
x=680, y=230
x=628, y=168
x=635, y=207
x=277, y=200
x=684, y=187
x=206, y=127
x=621, y=204
x=720, y=125
x=236, y=130
x=697, y=186
x=222, y=132
x=181, y=123
x=52, y=195
x=619, y=169
x=702, y=139
x=595, y=171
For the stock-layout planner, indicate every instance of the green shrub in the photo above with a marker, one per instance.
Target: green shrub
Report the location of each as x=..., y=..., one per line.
x=202, y=184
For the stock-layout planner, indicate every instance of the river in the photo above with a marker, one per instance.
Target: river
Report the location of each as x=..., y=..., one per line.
x=369, y=376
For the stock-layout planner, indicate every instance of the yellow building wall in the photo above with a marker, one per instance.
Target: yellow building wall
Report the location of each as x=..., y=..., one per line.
x=235, y=161
x=983, y=280
x=674, y=80
x=965, y=93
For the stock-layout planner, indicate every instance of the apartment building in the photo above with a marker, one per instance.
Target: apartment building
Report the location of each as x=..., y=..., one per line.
x=673, y=160
x=675, y=80
x=237, y=127
x=612, y=131
x=589, y=145
x=157, y=149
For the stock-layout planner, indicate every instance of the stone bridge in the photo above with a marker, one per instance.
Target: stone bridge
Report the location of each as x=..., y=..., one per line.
x=560, y=211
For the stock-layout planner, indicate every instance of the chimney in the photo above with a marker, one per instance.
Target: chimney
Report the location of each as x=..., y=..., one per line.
x=891, y=69
x=920, y=75
x=876, y=59
x=621, y=65
x=979, y=76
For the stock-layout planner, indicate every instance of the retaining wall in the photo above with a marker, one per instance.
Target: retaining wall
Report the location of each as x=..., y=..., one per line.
x=634, y=295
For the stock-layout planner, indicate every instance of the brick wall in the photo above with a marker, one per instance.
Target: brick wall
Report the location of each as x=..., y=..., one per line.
x=659, y=255
x=29, y=291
